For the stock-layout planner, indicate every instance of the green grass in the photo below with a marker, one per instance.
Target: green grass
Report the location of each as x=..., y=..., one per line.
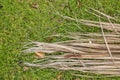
x=19, y=23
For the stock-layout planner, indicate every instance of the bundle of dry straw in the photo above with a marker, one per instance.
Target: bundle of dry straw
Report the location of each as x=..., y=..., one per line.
x=90, y=52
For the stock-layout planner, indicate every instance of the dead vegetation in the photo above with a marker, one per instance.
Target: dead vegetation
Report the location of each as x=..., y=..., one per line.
x=90, y=52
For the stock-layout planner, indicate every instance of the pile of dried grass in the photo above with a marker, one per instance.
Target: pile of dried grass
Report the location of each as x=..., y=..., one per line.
x=91, y=52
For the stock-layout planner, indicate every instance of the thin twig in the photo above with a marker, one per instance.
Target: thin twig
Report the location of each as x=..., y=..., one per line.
x=106, y=43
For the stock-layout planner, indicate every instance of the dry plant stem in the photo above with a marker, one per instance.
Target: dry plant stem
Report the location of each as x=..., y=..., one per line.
x=94, y=76
x=113, y=26
x=103, y=14
x=94, y=23
x=106, y=41
x=90, y=52
x=83, y=64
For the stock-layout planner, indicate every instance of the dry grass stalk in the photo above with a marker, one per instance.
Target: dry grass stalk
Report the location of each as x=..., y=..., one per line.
x=90, y=52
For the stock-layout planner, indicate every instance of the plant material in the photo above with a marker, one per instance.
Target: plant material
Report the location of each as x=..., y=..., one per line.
x=25, y=68
x=35, y=5
x=88, y=52
x=59, y=76
x=39, y=55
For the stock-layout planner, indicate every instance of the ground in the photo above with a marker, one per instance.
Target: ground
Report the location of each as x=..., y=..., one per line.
x=24, y=20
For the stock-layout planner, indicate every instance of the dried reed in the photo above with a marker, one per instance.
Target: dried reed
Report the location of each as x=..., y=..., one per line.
x=90, y=52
